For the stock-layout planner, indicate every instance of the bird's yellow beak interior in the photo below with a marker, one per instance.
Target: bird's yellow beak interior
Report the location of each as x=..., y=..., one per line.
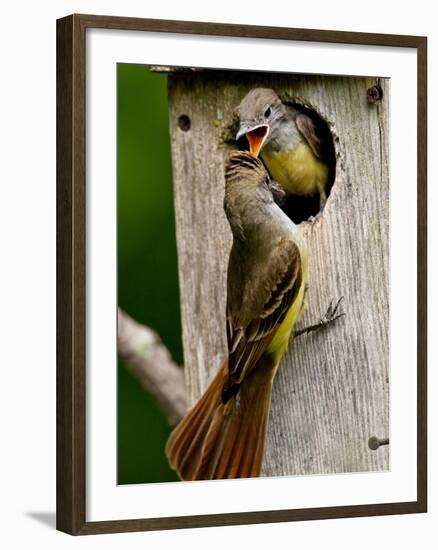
x=256, y=138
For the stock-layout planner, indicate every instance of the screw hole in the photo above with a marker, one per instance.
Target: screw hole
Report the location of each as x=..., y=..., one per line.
x=374, y=94
x=184, y=123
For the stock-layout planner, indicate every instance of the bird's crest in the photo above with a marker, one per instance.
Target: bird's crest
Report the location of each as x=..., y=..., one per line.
x=243, y=163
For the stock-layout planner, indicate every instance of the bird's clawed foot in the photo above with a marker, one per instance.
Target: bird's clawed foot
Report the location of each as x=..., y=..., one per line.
x=333, y=313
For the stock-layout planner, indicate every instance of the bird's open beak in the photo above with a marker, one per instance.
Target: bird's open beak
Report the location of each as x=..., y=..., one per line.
x=256, y=137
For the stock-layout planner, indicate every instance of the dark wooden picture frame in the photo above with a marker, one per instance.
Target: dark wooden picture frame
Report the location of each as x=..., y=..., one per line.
x=71, y=274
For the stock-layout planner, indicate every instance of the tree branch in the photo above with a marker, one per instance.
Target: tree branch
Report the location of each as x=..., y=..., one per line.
x=151, y=364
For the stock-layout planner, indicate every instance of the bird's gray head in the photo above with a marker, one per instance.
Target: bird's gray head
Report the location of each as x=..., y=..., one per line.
x=245, y=168
x=248, y=188
x=259, y=113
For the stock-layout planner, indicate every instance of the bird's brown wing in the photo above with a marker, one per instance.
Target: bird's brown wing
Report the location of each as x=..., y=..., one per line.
x=271, y=295
x=310, y=132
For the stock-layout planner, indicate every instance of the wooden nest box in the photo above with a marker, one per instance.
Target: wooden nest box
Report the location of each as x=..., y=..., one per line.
x=331, y=392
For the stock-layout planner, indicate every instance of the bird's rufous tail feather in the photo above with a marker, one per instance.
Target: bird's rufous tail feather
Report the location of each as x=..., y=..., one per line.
x=217, y=440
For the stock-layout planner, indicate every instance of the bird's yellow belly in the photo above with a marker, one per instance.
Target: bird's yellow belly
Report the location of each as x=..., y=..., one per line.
x=298, y=171
x=279, y=343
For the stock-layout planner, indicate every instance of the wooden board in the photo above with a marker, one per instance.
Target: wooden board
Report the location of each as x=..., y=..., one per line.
x=331, y=393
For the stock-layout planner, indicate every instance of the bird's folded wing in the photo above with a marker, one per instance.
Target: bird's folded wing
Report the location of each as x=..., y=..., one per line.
x=272, y=293
x=309, y=131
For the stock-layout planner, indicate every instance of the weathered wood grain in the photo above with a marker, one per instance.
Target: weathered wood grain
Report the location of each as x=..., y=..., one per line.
x=331, y=393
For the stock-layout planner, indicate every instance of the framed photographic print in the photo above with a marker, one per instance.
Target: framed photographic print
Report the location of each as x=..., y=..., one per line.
x=241, y=274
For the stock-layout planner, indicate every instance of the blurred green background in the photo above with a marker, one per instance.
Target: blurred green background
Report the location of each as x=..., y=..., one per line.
x=147, y=262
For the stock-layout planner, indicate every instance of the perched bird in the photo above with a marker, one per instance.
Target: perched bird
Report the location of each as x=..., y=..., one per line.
x=288, y=141
x=223, y=435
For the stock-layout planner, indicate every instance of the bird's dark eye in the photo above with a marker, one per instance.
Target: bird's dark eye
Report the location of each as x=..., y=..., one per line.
x=267, y=112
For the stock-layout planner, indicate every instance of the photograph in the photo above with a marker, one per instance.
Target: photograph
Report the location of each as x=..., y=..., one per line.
x=216, y=217
x=253, y=264
x=241, y=274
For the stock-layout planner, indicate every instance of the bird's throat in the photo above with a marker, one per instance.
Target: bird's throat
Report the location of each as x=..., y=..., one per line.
x=256, y=138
